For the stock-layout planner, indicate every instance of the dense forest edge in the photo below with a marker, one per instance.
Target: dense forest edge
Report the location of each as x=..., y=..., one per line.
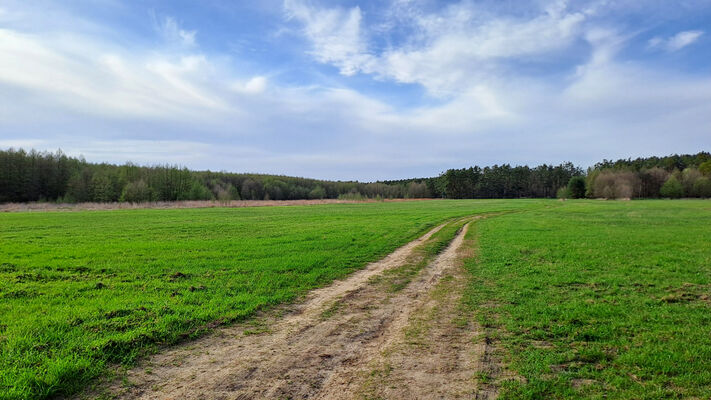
x=35, y=176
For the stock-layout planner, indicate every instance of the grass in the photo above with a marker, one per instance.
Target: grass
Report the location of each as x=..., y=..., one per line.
x=598, y=299
x=396, y=279
x=82, y=291
x=580, y=299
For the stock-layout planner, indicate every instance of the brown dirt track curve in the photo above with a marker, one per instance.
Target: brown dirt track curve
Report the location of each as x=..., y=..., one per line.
x=352, y=339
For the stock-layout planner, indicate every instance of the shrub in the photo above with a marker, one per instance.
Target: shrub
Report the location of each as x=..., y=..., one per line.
x=705, y=168
x=233, y=192
x=137, y=192
x=672, y=188
x=688, y=178
x=652, y=180
x=616, y=185
x=317, y=193
x=102, y=190
x=590, y=183
x=225, y=194
x=353, y=195
x=576, y=187
x=563, y=193
x=197, y=191
x=702, y=187
x=417, y=190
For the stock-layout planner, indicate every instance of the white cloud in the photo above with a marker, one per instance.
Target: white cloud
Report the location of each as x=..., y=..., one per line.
x=255, y=85
x=94, y=77
x=676, y=42
x=171, y=32
x=335, y=34
x=454, y=49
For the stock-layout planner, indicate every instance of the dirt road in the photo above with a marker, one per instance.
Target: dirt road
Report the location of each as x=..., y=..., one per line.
x=362, y=337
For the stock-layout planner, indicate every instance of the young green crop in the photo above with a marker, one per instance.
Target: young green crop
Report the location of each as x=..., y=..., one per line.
x=595, y=299
x=82, y=290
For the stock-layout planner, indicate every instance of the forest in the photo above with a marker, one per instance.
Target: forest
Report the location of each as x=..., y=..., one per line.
x=29, y=176
x=673, y=176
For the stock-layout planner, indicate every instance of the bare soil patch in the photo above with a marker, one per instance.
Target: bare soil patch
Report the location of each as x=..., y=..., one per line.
x=427, y=351
x=336, y=344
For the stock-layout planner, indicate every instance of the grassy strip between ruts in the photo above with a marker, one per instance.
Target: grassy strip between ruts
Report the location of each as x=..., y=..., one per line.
x=80, y=291
x=598, y=299
x=397, y=279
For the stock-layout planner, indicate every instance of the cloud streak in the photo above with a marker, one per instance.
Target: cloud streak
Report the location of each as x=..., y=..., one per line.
x=676, y=42
x=171, y=32
x=460, y=45
x=334, y=32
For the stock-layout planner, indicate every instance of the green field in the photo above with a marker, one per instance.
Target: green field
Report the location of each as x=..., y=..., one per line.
x=82, y=290
x=579, y=298
x=599, y=299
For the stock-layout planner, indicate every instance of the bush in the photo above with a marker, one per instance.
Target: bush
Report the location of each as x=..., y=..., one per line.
x=702, y=187
x=688, y=178
x=226, y=194
x=137, y=192
x=652, y=180
x=102, y=190
x=351, y=196
x=317, y=193
x=576, y=187
x=416, y=190
x=616, y=184
x=197, y=191
x=672, y=188
x=563, y=193
x=590, y=183
x=705, y=168
x=233, y=192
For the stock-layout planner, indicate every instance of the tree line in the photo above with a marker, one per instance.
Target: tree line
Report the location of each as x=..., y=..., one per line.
x=498, y=181
x=45, y=176
x=675, y=176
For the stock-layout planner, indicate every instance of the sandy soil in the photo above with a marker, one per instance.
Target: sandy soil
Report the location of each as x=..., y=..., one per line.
x=421, y=353
x=357, y=338
x=19, y=207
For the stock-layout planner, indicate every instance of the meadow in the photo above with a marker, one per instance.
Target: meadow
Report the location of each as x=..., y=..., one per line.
x=595, y=299
x=81, y=292
x=579, y=299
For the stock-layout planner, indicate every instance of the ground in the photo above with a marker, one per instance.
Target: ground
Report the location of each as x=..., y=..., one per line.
x=509, y=299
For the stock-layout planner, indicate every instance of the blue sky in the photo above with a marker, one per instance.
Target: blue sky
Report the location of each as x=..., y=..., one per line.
x=355, y=89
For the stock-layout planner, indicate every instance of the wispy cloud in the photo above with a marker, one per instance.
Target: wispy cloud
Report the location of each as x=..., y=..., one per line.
x=454, y=48
x=97, y=77
x=334, y=32
x=254, y=86
x=676, y=42
x=170, y=30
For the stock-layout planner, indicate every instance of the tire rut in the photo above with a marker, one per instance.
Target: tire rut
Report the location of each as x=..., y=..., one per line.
x=317, y=350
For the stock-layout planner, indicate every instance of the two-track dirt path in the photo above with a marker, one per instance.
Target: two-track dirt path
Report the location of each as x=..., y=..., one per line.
x=356, y=338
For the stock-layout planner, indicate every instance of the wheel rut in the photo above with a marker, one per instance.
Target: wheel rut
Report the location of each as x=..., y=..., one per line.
x=329, y=346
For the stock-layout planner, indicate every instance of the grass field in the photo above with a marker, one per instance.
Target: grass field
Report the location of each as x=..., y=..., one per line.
x=82, y=290
x=580, y=299
x=599, y=299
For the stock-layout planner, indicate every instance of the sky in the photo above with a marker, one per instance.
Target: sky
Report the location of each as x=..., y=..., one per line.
x=366, y=90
